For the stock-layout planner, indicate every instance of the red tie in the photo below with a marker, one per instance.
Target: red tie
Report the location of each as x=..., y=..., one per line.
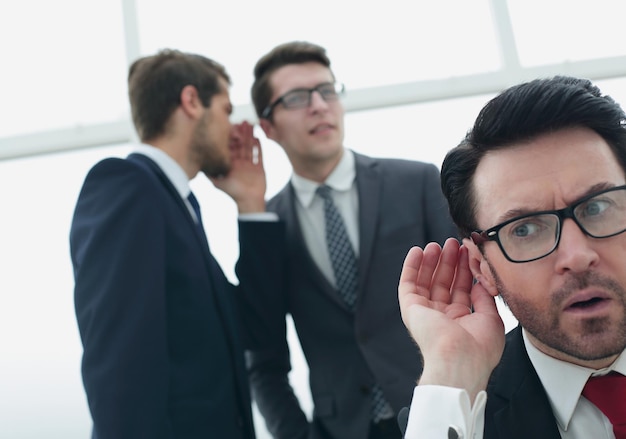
x=608, y=393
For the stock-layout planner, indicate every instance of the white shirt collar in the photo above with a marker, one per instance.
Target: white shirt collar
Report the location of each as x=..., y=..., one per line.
x=564, y=381
x=169, y=166
x=340, y=179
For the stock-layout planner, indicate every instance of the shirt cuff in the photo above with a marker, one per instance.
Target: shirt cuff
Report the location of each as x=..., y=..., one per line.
x=259, y=216
x=436, y=409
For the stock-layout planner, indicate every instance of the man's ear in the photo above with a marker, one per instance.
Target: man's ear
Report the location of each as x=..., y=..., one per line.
x=480, y=268
x=190, y=101
x=267, y=128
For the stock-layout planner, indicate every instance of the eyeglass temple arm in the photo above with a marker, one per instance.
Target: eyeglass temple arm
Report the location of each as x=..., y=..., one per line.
x=479, y=237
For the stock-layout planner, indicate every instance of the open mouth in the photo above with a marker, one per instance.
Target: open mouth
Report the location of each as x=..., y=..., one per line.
x=593, y=306
x=587, y=303
x=321, y=128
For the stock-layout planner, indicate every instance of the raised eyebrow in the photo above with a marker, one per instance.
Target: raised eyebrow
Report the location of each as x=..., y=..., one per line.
x=599, y=187
x=326, y=84
x=521, y=212
x=301, y=89
x=515, y=213
x=295, y=90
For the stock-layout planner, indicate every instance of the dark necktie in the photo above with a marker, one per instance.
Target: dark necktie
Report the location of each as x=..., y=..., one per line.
x=340, y=250
x=196, y=208
x=344, y=264
x=608, y=393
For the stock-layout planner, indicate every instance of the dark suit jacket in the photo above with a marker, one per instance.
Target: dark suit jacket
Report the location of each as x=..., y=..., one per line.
x=517, y=404
x=157, y=318
x=400, y=205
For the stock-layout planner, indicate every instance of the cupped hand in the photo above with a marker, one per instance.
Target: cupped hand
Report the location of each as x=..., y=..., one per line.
x=453, y=319
x=245, y=183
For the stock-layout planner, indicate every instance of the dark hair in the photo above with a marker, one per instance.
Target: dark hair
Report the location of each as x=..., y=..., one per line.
x=295, y=52
x=520, y=114
x=156, y=82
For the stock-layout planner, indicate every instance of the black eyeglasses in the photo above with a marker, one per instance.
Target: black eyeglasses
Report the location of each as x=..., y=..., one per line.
x=535, y=235
x=301, y=97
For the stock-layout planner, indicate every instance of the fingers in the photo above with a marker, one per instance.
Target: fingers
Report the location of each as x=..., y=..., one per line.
x=410, y=269
x=423, y=282
x=257, y=152
x=437, y=277
x=482, y=301
x=407, y=291
x=445, y=272
x=463, y=280
x=243, y=145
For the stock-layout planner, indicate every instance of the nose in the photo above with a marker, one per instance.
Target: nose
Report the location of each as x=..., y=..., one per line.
x=576, y=250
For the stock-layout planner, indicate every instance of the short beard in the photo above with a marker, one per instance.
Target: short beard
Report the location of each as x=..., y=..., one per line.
x=213, y=163
x=216, y=169
x=605, y=340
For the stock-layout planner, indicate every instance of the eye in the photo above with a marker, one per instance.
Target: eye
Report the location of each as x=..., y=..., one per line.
x=593, y=207
x=524, y=229
x=327, y=90
x=295, y=98
x=531, y=228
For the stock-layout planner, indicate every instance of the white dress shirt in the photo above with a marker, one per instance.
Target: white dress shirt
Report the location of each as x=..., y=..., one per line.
x=436, y=408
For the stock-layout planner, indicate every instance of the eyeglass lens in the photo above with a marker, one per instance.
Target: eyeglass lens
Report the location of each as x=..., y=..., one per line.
x=302, y=97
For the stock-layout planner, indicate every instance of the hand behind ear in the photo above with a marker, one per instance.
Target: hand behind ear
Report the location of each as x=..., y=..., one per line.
x=460, y=347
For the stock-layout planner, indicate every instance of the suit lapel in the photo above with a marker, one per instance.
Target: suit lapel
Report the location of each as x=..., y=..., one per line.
x=149, y=164
x=216, y=276
x=517, y=401
x=299, y=253
x=368, y=187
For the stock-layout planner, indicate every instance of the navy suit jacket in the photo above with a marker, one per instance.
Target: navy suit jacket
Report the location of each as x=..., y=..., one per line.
x=157, y=317
x=400, y=205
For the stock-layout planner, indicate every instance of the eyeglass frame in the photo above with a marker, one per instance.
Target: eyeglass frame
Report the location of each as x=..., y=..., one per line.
x=339, y=90
x=493, y=233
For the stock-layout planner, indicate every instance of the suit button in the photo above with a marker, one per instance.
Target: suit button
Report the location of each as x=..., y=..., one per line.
x=365, y=390
x=454, y=432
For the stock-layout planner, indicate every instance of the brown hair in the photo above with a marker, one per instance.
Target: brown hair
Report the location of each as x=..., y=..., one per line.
x=155, y=83
x=295, y=52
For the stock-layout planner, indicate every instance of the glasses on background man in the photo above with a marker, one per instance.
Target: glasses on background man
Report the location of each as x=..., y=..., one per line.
x=301, y=97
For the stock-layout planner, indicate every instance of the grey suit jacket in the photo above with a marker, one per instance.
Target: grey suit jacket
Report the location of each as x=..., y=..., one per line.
x=400, y=205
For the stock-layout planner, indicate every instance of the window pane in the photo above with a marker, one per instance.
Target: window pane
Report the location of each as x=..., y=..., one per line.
x=407, y=41
x=42, y=394
x=549, y=32
x=424, y=132
x=616, y=88
x=67, y=66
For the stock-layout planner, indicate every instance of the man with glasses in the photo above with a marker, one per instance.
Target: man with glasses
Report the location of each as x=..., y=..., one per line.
x=342, y=299
x=538, y=191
